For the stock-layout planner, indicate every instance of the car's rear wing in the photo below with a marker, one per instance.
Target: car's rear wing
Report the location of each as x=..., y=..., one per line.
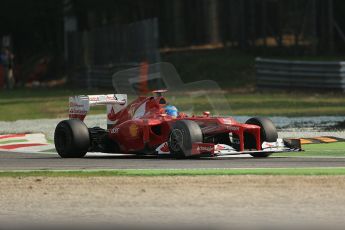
x=80, y=105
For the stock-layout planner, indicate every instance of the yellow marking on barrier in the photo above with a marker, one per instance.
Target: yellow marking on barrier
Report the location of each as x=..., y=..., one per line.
x=325, y=139
x=306, y=141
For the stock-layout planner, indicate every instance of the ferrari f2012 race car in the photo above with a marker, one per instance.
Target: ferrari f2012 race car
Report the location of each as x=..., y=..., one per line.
x=148, y=125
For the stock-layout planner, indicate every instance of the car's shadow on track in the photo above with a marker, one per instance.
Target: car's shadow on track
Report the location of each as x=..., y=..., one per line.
x=170, y=158
x=94, y=156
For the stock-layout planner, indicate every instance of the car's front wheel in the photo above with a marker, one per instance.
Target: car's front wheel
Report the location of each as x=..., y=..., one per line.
x=71, y=139
x=268, y=132
x=182, y=136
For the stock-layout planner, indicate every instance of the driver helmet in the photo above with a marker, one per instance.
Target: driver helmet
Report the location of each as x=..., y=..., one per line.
x=171, y=110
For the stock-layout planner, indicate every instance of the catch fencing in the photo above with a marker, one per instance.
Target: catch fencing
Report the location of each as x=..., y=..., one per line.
x=272, y=73
x=98, y=76
x=94, y=56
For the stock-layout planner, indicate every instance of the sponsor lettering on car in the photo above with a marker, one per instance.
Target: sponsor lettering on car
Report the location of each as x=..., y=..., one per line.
x=198, y=148
x=205, y=148
x=74, y=104
x=77, y=111
x=233, y=128
x=115, y=130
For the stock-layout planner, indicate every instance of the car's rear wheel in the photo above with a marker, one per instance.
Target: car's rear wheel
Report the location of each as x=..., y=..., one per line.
x=268, y=132
x=182, y=136
x=71, y=138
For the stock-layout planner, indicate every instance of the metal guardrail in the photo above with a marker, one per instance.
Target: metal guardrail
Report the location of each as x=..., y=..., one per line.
x=272, y=73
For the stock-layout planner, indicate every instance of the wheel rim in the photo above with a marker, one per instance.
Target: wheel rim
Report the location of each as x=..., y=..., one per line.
x=176, y=140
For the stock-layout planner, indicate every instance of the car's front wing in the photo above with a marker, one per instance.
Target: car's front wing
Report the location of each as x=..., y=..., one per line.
x=210, y=149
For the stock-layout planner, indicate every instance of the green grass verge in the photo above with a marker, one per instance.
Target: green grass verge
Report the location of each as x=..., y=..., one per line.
x=269, y=104
x=38, y=103
x=231, y=69
x=53, y=103
x=336, y=149
x=179, y=172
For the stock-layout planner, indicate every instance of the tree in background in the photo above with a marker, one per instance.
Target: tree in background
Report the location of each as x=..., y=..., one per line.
x=294, y=27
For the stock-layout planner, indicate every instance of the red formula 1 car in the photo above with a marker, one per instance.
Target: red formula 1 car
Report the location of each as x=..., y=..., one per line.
x=144, y=127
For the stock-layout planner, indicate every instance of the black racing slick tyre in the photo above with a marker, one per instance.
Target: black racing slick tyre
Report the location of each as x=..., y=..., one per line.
x=182, y=136
x=268, y=132
x=72, y=139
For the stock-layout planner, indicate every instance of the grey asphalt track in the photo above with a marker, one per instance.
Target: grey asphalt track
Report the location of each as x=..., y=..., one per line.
x=35, y=161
